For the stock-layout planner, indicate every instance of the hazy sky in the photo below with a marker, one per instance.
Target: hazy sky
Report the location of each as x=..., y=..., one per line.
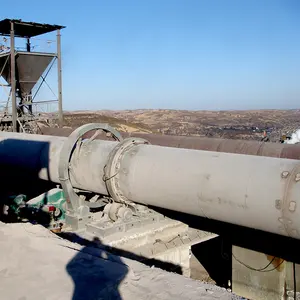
x=187, y=54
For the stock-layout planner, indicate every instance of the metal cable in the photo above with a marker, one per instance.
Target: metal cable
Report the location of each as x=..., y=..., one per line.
x=261, y=269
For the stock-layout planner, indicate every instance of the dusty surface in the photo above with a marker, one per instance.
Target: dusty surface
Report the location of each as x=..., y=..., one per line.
x=36, y=264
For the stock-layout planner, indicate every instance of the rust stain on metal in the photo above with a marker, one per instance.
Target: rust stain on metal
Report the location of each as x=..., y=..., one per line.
x=278, y=263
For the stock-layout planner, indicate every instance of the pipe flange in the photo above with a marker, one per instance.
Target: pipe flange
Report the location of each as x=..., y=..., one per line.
x=73, y=201
x=113, y=165
x=289, y=204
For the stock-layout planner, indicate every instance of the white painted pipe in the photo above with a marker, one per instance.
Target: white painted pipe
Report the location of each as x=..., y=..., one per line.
x=251, y=191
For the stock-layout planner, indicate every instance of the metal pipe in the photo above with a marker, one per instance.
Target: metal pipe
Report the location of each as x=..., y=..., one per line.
x=41, y=155
x=13, y=77
x=59, y=78
x=28, y=45
x=251, y=191
x=203, y=143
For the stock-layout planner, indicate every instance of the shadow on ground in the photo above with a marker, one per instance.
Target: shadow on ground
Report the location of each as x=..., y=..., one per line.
x=97, y=270
x=95, y=275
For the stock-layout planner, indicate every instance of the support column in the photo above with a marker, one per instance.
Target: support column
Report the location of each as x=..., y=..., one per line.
x=29, y=98
x=60, y=106
x=13, y=76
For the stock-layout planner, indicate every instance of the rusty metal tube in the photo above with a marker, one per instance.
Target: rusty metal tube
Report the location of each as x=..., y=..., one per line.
x=209, y=144
x=251, y=191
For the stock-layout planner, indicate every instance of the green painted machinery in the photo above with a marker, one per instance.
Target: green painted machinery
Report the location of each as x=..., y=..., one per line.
x=47, y=209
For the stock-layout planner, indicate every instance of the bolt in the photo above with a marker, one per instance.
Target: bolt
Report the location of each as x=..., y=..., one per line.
x=294, y=233
x=297, y=178
x=285, y=174
x=284, y=221
x=278, y=204
x=292, y=206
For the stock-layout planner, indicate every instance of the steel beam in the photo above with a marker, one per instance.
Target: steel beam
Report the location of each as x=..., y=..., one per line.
x=251, y=191
x=59, y=76
x=13, y=77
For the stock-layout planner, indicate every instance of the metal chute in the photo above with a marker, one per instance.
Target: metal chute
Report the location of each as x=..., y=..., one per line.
x=29, y=69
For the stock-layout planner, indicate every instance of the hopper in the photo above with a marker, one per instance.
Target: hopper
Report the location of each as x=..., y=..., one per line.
x=29, y=68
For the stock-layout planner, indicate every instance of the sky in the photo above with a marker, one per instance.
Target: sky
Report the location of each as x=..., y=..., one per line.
x=176, y=54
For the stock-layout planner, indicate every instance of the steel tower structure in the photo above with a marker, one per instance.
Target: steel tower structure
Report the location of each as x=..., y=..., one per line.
x=23, y=69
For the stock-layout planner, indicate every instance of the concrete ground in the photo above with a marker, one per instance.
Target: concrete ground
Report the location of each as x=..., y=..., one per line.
x=35, y=264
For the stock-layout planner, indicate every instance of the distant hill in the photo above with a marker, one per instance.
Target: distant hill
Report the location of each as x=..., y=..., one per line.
x=78, y=118
x=248, y=124
x=226, y=124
